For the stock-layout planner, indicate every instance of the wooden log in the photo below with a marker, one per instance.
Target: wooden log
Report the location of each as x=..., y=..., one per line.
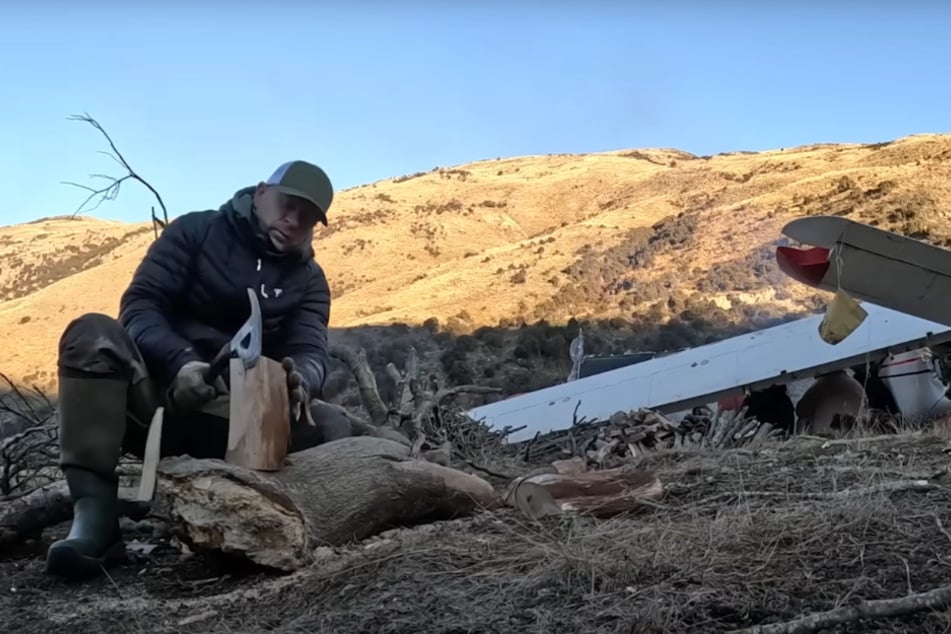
x=259, y=430
x=331, y=494
x=598, y=493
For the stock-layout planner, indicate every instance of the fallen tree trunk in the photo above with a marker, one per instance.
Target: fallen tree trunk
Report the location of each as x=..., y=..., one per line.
x=338, y=492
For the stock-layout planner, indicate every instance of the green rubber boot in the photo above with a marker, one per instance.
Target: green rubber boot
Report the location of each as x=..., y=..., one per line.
x=92, y=419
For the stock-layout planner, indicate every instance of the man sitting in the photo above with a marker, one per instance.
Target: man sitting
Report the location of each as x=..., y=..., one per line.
x=186, y=300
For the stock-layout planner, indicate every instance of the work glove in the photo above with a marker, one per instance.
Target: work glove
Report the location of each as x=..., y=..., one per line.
x=189, y=392
x=297, y=392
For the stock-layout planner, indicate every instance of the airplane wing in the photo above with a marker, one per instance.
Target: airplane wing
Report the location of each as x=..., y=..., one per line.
x=906, y=282
x=700, y=375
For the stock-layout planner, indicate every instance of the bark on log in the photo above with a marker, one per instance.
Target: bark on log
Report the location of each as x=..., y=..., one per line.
x=338, y=492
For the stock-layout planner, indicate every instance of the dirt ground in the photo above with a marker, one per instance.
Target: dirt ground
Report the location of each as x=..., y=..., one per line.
x=743, y=537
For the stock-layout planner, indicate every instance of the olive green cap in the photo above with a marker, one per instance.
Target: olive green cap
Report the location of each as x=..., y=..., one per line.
x=305, y=180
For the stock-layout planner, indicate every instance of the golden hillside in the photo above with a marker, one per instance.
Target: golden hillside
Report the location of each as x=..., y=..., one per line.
x=637, y=235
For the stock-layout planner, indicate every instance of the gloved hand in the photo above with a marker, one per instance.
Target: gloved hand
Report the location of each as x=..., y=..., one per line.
x=297, y=391
x=189, y=392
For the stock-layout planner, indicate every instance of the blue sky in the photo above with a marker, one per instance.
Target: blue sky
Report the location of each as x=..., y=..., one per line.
x=204, y=98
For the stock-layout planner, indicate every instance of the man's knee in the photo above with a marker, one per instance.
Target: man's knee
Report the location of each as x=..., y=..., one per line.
x=329, y=424
x=332, y=422
x=95, y=343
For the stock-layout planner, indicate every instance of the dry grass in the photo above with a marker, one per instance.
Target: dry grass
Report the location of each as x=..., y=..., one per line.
x=524, y=237
x=742, y=537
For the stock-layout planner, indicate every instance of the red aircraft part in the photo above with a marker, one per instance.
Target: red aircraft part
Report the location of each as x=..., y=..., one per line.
x=808, y=266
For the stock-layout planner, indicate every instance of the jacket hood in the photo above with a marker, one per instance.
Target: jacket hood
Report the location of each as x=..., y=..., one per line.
x=239, y=210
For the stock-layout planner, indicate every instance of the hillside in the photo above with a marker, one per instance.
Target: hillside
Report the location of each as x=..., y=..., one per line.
x=674, y=249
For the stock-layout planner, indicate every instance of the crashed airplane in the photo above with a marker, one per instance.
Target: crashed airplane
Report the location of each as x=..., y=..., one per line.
x=892, y=348
x=792, y=354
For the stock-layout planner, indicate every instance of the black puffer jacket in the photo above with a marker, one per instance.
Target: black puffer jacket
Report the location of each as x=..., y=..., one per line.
x=188, y=297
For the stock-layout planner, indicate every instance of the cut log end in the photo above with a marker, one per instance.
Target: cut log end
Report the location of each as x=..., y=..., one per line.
x=216, y=507
x=596, y=493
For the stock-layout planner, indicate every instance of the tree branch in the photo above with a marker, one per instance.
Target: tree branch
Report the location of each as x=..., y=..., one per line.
x=882, y=608
x=366, y=382
x=403, y=395
x=111, y=191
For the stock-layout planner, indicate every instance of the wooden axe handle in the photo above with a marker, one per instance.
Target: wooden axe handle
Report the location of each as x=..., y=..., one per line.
x=217, y=365
x=151, y=457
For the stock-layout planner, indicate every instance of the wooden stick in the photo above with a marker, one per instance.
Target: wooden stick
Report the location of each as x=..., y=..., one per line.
x=153, y=446
x=873, y=609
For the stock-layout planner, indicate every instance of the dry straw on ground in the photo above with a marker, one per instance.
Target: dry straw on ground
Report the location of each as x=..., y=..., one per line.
x=743, y=537
x=771, y=536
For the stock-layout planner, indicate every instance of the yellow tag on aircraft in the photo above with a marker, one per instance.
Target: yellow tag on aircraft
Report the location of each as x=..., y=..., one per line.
x=843, y=315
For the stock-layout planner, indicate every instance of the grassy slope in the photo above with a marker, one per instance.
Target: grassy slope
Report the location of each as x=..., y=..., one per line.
x=639, y=236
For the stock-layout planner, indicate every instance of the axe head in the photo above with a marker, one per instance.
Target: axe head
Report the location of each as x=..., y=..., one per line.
x=246, y=343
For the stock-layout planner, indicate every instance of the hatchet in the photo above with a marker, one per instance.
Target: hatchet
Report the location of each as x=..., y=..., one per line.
x=245, y=345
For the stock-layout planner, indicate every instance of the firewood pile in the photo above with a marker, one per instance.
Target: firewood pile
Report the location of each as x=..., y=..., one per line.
x=627, y=436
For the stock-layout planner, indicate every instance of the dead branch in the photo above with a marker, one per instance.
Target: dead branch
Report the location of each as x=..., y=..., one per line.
x=876, y=609
x=24, y=408
x=417, y=415
x=405, y=381
x=366, y=382
x=28, y=460
x=424, y=420
x=29, y=442
x=892, y=486
x=111, y=191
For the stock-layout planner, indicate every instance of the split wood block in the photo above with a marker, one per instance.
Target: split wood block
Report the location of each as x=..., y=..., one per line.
x=259, y=429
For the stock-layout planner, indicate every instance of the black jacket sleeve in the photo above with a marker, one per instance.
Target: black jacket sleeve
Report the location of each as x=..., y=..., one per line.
x=160, y=279
x=306, y=337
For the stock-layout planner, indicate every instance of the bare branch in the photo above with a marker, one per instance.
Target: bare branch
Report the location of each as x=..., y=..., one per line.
x=877, y=609
x=369, y=393
x=111, y=191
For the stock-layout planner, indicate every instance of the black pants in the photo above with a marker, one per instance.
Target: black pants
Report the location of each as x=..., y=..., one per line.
x=97, y=346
